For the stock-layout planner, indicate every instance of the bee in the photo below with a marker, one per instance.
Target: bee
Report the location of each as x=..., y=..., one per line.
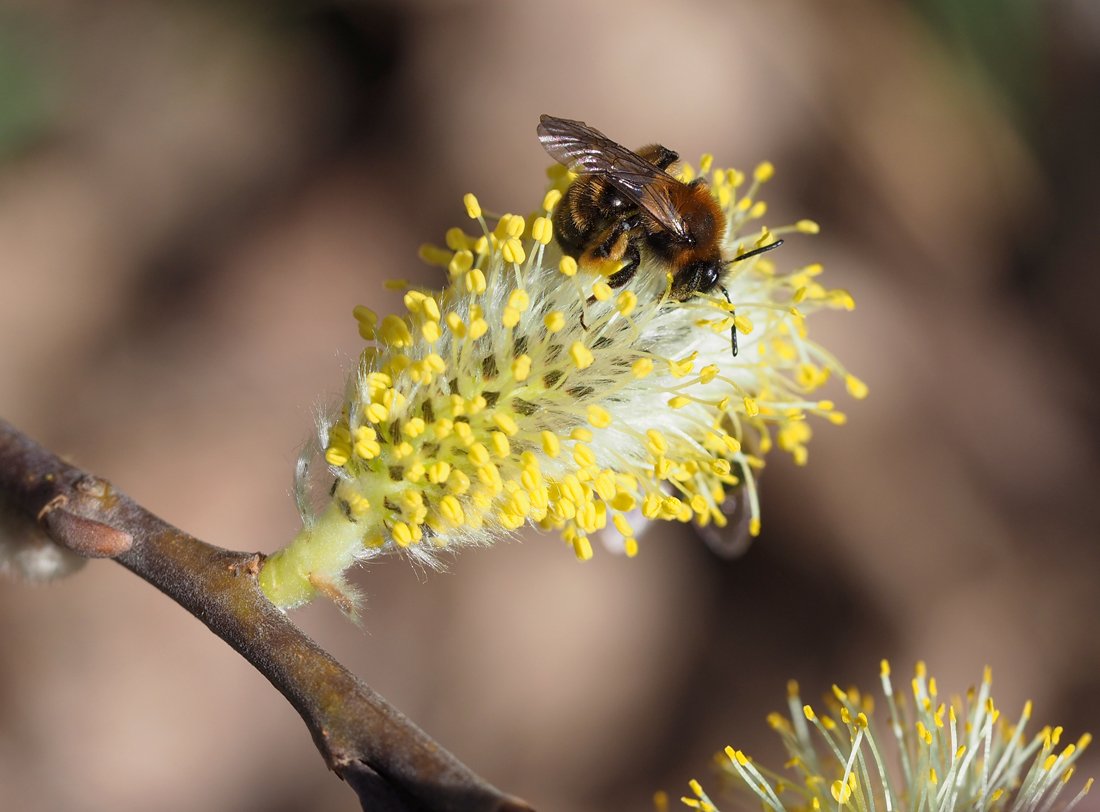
x=624, y=202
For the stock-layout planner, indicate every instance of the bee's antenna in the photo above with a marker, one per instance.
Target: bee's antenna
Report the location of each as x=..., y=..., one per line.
x=733, y=327
x=755, y=252
x=747, y=255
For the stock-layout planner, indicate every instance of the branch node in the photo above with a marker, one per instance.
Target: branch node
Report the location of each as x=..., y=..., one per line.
x=249, y=566
x=58, y=501
x=84, y=536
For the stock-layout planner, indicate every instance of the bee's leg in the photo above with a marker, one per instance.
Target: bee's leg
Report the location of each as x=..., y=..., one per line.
x=612, y=238
x=633, y=257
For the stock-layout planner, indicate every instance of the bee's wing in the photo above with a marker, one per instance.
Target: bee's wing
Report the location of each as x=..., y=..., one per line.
x=587, y=151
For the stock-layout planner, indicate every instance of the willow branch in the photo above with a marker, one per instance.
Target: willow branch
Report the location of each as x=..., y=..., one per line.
x=389, y=762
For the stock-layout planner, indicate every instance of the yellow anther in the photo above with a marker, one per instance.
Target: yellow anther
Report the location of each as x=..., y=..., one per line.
x=364, y=314
x=506, y=423
x=521, y=367
x=743, y=324
x=378, y=413
x=435, y=363
x=582, y=548
x=475, y=281
x=451, y=509
x=395, y=332
x=708, y=373
x=630, y=546
x=651, y=506
x=550, y=201
x=458, y=482
x=473, y=208
x=554, y=321
x=705, y=163
x=402, y=534
x=583, y=455
x=601, y=292
x=439, y=471
x=358, y=505
x=550, y=444
x=479, y=454
x=431, y=331
x=489, y=475
x=623, y=501
x=763, y=172
x=683, y=367
x=413, y=428
x=627, y=301
x=457, y=325
x=460, y=263
x=512, y=251
x=429, y=308
x=542, y=230
x=514, y=225
x=368, y=322
x=499, y=441
x=433, y=255
x=641, y=368
x=568, y=266
x=656, y=442
x=581, y=355
x=478, y=328
x=456, y=239
x=679, y=401
x=510, y=317
x=337, y=456
x=758, y=210
x=751, y=408
x=856, y=388
x=519, y=299
x=599, y=416
x=807, y=227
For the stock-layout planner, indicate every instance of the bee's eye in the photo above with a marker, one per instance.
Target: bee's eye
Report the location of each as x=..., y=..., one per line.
x=708, y=278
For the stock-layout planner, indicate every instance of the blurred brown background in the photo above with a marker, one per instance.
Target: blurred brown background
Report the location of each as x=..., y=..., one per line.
x=194, y=195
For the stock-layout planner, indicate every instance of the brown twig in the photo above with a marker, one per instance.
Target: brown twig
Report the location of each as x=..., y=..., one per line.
x=389, y=762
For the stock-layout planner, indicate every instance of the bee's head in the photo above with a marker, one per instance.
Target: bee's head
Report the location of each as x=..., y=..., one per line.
x=698, y=276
